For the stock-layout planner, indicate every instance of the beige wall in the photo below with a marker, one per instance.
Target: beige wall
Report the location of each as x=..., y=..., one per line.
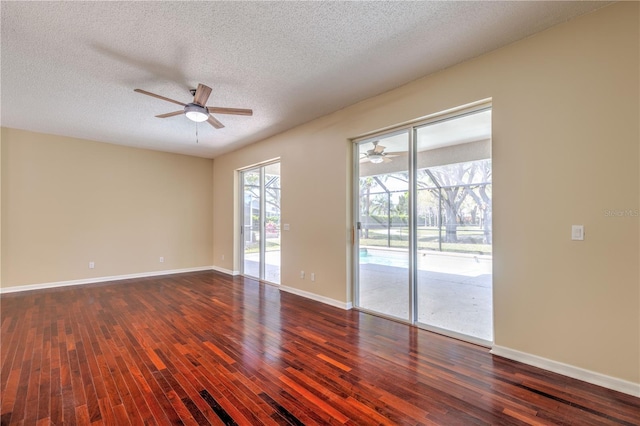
x=566, y=141
x=565, y=150
x=66, y=202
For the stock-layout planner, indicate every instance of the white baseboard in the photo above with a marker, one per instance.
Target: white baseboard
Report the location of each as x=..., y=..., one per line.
x=317, y=298
x=588, y=376
x=100, y=279
x=225, y=271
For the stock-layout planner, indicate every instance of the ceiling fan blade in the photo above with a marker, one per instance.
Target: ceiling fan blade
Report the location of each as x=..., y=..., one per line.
x=386, y=159
x=378, y=149
x=215, y=123
x=202, y=94
x=395, y=154
x=232, y=111
x=153, y=95
x=364, y=160
x=170, y=114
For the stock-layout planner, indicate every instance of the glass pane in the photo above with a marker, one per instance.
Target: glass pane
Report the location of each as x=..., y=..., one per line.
x=251, y=231
x=453, y=204
x=384, y=231
x=272, y=223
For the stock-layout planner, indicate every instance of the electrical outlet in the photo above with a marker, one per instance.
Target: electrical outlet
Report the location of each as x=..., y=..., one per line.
x=313, y=276
x=92, y=265
x=161, y=259
x=302, y=275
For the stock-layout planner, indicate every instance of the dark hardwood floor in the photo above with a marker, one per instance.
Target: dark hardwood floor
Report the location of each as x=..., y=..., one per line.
x=205, y=348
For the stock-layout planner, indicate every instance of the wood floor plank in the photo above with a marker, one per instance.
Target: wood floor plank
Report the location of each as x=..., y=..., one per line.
x=185, y=378
x=142, y=370
x=20, y=404
x=206, y=348
x=13, y=345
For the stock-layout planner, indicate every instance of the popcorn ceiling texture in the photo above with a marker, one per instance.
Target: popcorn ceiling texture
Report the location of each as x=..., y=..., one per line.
x=69, y=68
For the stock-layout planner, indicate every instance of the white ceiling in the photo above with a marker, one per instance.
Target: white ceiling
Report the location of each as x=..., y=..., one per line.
x=69, y=68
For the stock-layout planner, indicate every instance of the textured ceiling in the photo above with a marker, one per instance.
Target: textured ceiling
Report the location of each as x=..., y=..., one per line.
x=69, y=68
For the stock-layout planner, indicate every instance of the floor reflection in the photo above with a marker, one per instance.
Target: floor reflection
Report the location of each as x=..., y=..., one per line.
x=261, y=305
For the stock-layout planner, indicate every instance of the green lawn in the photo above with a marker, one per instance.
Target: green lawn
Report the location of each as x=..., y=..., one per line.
x=470, y=239
x=272, y=244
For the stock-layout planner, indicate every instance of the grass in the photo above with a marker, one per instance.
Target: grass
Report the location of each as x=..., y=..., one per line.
x=272, y=244
x=470, y=239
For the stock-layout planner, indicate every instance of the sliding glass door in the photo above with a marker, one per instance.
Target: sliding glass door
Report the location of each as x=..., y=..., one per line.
x=424, y=225
x=383, y=227
x=261, y=222
x=453, y=207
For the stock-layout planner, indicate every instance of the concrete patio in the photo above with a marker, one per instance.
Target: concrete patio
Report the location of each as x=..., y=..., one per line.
x=454, y=290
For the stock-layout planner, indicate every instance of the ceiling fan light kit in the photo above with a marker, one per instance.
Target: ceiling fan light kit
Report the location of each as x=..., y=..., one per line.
x=376, y=158
x=376, y=155
x=196, y=113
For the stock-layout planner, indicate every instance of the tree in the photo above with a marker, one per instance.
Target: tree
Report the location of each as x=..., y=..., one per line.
x=365, y=207
x=482, y=196
x=401, y=209
x=444, y=177
x=380, y=204
x=425, y=203
x=271, y=188
x=455, y=182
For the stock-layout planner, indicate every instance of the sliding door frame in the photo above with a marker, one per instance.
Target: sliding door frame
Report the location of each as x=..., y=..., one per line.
x=262, y=218
x=356, y=211
x=412, y=129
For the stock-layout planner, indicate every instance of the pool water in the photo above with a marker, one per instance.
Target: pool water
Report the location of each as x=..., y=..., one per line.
x=399, y=260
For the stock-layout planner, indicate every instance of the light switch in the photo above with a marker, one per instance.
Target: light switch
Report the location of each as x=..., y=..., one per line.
x=577, y=232
x=286, y=226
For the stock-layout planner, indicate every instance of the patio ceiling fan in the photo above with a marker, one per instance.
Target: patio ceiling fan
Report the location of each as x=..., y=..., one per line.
x=197, y=110
x=377, y=155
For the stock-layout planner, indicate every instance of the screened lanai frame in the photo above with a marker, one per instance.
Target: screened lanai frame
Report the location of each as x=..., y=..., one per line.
x=411, y=128
x=383, y=189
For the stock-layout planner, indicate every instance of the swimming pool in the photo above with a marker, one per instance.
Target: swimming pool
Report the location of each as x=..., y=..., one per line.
x=398, y=260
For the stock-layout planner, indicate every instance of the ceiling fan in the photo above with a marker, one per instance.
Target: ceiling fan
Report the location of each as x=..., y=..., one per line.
x=197, y=110
x=377, y=155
